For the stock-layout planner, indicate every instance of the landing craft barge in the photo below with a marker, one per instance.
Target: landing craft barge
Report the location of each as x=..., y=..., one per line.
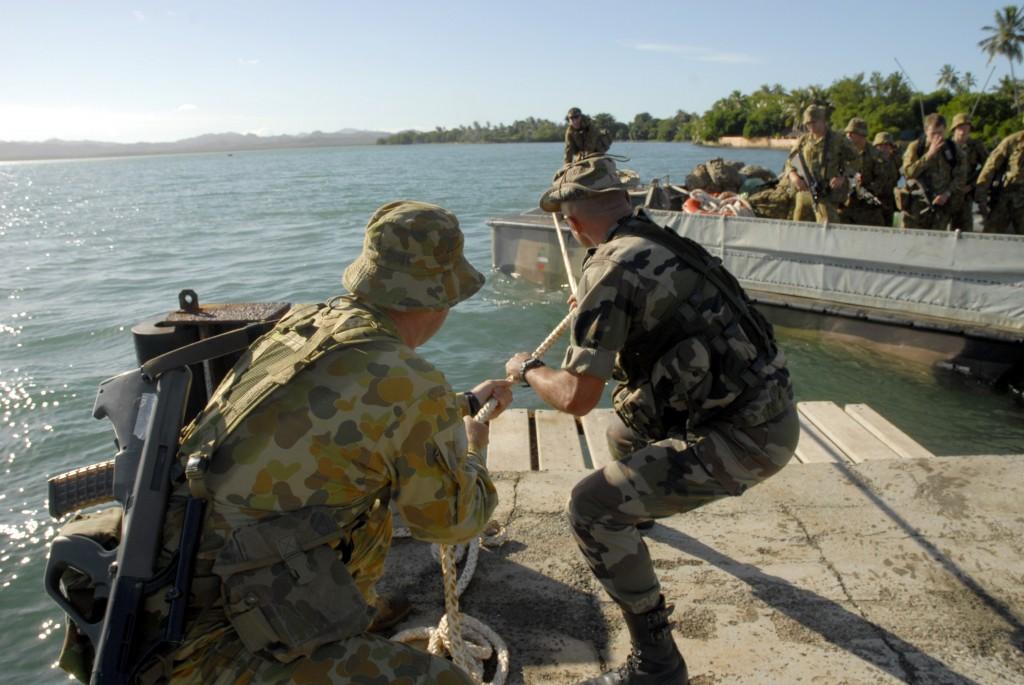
x=954, y=300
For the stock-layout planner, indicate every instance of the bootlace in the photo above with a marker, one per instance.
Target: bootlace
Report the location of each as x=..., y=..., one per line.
x=632, y=664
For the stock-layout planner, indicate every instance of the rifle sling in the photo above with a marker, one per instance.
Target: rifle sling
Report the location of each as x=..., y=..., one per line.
x=210, y=348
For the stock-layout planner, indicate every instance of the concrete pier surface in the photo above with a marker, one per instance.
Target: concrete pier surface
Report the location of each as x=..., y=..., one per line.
x=898, y=571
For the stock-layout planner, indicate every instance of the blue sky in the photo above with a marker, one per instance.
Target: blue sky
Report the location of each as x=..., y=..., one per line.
x=158, y=71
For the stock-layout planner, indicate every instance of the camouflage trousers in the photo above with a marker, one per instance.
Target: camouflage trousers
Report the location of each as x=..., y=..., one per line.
x=805, y=210
x=961, y=213
x=1007, y=216
x=361, y=660
x=651, y=480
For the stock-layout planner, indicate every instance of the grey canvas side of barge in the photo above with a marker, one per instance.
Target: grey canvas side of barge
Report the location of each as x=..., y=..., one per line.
x=948, y=298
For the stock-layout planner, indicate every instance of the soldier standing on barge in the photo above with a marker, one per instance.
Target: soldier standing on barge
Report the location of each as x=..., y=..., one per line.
x=582, y=138
x=704, y=398
x=935, y=170
x=828, y=160
x=1000, y=192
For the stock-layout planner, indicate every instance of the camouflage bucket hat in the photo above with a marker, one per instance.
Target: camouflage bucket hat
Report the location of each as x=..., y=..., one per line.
x=883, y=138
x=857, y=125
x=573, y=112
x=814, y=113
x=588, y=177
x=960, y=119
x=412, y=259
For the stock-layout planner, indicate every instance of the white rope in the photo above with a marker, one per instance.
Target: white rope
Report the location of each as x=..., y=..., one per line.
x=469, y=641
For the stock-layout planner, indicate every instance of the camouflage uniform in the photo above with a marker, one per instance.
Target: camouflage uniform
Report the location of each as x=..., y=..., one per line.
x=702, y=386
x=860, y=210
x=827, y=157
x=927, y=178
x=366, y=423
x=888, y=176
x=585, y=140
x=710, y=414
x=1006, y=214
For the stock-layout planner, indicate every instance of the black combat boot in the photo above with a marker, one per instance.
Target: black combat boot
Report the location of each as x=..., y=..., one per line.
x=655, y=659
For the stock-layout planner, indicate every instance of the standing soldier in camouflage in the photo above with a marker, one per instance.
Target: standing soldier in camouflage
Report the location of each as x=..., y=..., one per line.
x=864, y=207
x=829, y=159
x=935, y=171
x=582, y=138
x=704, y=398
x=298, y=521
x=1000, y=192
x=975, y=154
x=890, y=175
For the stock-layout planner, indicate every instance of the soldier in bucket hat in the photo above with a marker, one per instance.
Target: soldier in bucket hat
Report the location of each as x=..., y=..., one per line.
x=975, y=154
x=890, y=178
x=828, y=160
x=359, y=422
x=704, y=399
x=865, y=206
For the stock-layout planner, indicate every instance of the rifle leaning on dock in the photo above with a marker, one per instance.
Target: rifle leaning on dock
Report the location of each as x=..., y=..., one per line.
x=146, y=407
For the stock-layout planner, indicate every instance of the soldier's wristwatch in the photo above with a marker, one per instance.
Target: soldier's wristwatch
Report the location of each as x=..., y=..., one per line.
x=531, y=363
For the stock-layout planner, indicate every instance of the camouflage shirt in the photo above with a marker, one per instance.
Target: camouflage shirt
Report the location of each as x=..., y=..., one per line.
x=842, y=161
x=1008, y=157
x=370, y=421
x=874, y=171
x=975, y=154
x=629, y=286
x=938, y=174
x=888, y=176
x=586, y=140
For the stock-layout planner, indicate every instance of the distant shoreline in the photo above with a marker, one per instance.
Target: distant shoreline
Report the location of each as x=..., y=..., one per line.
x=753, y=143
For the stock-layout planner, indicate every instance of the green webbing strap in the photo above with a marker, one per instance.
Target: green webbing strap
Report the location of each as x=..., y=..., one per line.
x=224, y=413
x=682, y=248
x=210, y=348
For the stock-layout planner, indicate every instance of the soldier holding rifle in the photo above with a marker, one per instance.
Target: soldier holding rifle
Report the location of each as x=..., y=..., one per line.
x=818, y=167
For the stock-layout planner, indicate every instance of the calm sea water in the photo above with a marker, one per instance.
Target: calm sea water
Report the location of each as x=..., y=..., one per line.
x=88, y=248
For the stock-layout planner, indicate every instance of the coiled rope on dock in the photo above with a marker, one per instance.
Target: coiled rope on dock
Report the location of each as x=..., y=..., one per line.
x=469, y=641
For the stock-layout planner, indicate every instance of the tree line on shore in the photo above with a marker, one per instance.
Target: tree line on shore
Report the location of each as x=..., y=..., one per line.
x=887, y=103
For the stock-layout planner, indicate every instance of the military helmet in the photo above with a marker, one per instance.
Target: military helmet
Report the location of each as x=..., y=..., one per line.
x=815, y=113
x=857, y=125
x=573, y=112
x=884, y=138
x=960, y=119
x=594, y=175
x=412, y=259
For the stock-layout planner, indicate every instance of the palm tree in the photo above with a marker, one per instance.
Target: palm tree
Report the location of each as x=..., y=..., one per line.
x=948, y=78
x=1005, y=40
x=967, y=82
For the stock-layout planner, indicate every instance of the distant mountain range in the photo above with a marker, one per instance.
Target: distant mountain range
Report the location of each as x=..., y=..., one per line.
x=210, y=142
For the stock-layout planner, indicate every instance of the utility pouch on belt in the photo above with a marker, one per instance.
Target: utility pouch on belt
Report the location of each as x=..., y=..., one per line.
x=285, y=587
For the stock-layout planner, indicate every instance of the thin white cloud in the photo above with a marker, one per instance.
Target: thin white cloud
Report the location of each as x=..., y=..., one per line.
x=696, y=52
x=248, y=62
x=139, y=15
x=187, y=107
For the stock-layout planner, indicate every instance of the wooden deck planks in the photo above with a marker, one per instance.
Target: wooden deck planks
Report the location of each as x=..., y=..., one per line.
x=508, y=448
x=814, y=447
x=594, y=426
x=895, y=439
x=852, y=438
x=558, y=441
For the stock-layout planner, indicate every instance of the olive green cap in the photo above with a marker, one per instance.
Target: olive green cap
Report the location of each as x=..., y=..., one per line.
x=857, y=125
x=594, y=175
x=962, y=118
x=412, y=259
x=815, y=113
x=884, y=138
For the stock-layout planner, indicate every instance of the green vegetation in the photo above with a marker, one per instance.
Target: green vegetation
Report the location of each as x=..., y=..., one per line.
x=887, y=103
